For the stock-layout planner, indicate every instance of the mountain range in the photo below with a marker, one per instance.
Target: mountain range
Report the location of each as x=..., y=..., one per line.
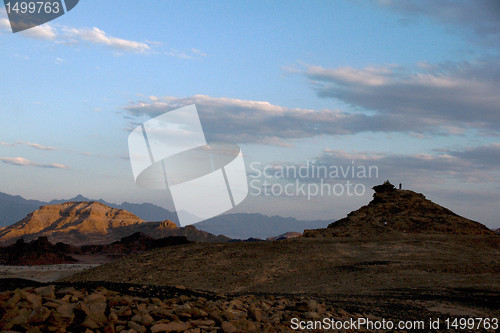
x=90, y=222
x=238, y=226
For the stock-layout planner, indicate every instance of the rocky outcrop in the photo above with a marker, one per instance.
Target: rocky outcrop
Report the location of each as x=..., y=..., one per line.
x=193, y=234
x=37, y=252
x=168, y=228
x=167, y=224
x=135, y=243
x=286, y=235
x=400, y=211
x=384, y=188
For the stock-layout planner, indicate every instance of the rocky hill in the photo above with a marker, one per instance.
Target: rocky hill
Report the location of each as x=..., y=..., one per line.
x=14, y=208
x=87, y=223
x=400, y=211
x=71, y=221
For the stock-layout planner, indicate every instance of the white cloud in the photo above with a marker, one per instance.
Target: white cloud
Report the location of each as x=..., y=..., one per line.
x=178, y=54
x=198, y=52
x=38, y=146
x=355, y=156
x=484, y=157
x=370, y=76
x=447, y=98
x=191, y=54
x=236, y=120
x=476, y=166
x=96, y=36
x=20, y=161
x=63, y=34
x=29, y=144
x=5, y=25
x=245, y=121
x=480, y=18
x=42, y=32
x=480, y=164
x=473, y=165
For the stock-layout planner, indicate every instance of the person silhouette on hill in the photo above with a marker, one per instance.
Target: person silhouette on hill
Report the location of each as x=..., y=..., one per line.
x=400, y=185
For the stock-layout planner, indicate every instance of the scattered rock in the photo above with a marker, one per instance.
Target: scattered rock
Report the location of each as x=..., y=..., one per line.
x=39, y=315
x=170, y=327
x=49, y=309
x=138, y=328
x=255, y=312
x=47, y=292
x=228, y=327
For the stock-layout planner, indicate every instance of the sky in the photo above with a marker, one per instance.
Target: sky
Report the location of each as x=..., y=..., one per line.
x=408, y=88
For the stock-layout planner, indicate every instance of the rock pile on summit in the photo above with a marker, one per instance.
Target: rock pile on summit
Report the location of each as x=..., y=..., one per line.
x=400, y=211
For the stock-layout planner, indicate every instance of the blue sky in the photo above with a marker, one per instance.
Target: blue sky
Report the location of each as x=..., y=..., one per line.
x=411, y=87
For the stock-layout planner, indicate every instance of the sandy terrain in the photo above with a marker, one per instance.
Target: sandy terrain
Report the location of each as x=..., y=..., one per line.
x=43, y=273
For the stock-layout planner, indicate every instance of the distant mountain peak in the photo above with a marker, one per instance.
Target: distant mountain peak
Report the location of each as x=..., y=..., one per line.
x=80, y=197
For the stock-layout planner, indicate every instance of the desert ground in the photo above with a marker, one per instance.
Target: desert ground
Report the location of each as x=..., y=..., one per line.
x=263, y=286
x=42, y=273
x=316, y=265
x=409, y=276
